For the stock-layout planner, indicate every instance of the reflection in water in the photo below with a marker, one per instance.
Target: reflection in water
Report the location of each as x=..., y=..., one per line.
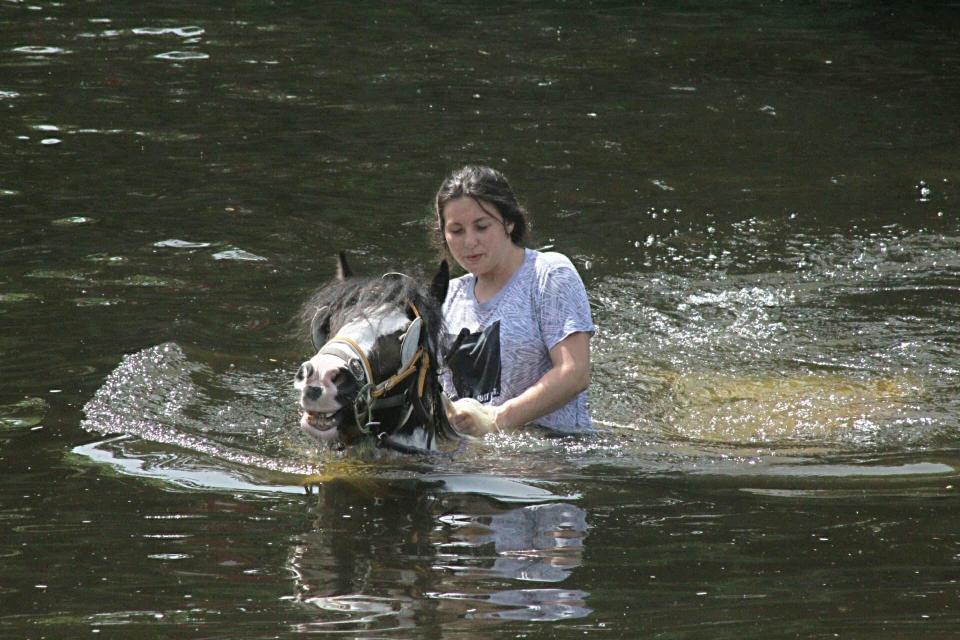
x=536, y=543
x=448, y=559
x=541, y=543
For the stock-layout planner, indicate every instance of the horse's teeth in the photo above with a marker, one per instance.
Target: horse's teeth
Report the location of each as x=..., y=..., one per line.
x=315, y=418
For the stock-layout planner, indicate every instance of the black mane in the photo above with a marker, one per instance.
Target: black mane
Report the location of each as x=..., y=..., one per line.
x=347, y=299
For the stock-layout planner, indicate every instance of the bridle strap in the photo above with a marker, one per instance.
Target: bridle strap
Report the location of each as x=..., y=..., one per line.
x=355, y=348
x=384, y=387
x=419, y=356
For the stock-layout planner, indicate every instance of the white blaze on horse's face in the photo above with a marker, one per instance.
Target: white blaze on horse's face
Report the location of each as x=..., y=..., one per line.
x=318, y=392
x=366, y=330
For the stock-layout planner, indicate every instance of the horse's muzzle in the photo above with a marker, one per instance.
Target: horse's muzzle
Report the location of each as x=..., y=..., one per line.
x=322, y=427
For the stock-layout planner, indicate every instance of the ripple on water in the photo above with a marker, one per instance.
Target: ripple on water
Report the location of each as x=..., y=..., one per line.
x=180, y=244
x=73, y=220
x=815, y=409
x=152, y=394
x=181, y=56
x=105, y=258
x=39, y=50
x=182, y=32
x=60, y=274
x=97, y=301
x=239, y=255
x=18, y=297
x=26, y=413
x=144, y=280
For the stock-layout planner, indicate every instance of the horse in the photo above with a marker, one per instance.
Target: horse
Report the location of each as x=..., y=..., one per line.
x=375, y=374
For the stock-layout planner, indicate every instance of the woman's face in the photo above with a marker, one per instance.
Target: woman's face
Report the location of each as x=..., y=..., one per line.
x=477, y=237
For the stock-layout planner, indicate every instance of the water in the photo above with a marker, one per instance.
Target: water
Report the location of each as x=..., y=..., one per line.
x=761, y=200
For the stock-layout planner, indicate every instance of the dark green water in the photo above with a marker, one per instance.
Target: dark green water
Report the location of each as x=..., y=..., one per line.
x=761, y=197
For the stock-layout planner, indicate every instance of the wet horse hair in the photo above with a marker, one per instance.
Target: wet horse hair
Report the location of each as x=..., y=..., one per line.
x=406, y=415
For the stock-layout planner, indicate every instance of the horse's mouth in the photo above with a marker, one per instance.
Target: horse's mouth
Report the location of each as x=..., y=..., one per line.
x=322, y=426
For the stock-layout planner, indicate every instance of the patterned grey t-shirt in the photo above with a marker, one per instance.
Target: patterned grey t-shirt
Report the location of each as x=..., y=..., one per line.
x=510, y=336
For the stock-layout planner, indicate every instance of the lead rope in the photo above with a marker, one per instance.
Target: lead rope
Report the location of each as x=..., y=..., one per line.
x=364, y=396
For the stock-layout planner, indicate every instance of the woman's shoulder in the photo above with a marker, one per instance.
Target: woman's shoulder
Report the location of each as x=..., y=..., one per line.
x=553, y=269
x=550, y=260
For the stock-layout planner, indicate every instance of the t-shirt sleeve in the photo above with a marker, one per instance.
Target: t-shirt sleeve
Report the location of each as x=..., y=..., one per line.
x=564, y=308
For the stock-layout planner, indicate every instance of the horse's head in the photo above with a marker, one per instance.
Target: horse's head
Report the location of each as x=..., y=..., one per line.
x=375, y=369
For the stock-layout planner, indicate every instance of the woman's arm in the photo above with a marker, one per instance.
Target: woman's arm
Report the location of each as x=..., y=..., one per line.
x=569, y=376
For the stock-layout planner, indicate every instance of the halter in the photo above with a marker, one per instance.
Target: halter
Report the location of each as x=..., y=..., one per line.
x=373, y=395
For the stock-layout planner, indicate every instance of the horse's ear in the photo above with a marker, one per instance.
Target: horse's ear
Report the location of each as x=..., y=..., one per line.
x=343, y=269
x=441, y=281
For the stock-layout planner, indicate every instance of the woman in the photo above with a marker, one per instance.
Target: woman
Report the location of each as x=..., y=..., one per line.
x=519, y=318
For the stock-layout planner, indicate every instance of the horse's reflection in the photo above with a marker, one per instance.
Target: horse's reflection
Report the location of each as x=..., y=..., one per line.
x=402, y=553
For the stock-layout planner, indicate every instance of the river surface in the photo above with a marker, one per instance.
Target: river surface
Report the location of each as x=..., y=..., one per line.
x=762, y=199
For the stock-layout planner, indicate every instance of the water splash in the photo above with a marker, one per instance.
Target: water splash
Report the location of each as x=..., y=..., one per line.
x=152, y=395
x=781, y=358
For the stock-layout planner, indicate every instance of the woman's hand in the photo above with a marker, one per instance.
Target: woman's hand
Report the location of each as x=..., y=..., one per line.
x=470, y=417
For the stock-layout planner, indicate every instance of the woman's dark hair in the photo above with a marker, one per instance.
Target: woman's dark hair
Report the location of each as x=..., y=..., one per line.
x=485, y=185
